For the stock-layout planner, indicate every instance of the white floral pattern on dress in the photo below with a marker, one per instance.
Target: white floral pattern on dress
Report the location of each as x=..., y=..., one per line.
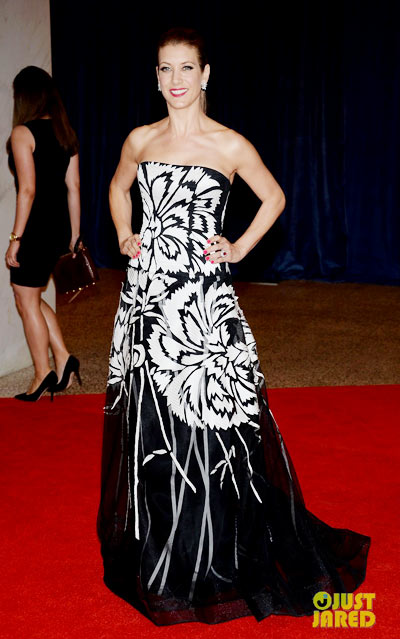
x=177, y=217
x=200, y=365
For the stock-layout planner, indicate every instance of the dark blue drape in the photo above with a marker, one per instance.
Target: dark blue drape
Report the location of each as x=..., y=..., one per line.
x=313, y=85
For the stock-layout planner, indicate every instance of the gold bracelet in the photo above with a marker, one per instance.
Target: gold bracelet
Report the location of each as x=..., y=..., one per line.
x=14, y=238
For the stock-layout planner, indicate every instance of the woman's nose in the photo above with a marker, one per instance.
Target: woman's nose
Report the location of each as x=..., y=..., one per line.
x=176, y=77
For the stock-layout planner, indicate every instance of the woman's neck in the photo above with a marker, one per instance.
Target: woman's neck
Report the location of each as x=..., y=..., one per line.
x=185, y=122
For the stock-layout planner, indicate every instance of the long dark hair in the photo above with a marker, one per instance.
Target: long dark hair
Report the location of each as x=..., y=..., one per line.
x=35, y=96
x=192, y=38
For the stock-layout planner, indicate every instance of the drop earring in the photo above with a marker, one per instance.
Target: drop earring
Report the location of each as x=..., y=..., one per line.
x=158, y=86
x=203, y=86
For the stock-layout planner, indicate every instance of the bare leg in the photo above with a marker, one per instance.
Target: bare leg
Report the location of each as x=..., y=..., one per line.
x=56, y=339
x=27, y=300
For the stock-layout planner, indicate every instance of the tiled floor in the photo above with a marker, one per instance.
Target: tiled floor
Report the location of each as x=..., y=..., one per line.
x=308, y=333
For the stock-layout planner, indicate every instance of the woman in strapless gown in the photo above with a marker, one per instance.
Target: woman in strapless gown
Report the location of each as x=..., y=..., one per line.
x=201, y=515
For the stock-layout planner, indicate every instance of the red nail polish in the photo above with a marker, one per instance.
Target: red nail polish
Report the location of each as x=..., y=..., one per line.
x=205, y=251
x=212, y=261
x=208, y=241
x=207, y=258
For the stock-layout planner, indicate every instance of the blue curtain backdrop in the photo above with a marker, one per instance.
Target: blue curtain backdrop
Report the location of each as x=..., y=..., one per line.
x=313, y=85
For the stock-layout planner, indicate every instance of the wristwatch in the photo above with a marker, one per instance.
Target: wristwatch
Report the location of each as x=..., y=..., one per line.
x=14, y=238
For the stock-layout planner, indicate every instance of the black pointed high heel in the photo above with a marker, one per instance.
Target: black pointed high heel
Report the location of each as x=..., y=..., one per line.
x=72, y=366
x=47, y=384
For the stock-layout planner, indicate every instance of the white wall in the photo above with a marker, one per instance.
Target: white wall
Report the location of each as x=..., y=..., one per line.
x=24, y=40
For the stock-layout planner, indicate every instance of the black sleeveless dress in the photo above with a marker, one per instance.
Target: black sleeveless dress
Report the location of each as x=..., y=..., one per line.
x=48, y=230
x=201, y=515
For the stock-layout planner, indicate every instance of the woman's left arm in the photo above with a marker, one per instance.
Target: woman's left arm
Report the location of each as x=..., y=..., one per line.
x=74, y=200
x=253, y=171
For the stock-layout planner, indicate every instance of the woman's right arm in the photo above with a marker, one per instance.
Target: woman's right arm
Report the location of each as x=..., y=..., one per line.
x=23, y=145
x=120, y=198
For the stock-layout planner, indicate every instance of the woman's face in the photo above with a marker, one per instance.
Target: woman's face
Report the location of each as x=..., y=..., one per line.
x=180, y=75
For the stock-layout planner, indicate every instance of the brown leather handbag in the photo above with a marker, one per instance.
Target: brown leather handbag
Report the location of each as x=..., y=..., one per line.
x=75, y=271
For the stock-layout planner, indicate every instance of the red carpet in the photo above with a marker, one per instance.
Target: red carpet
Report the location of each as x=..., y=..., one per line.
x=344, y=445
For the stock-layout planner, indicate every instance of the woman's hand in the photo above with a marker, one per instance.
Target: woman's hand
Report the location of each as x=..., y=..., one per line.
x=130, y=245
x=72, y=245
x=221, y=250
x=73, y=242
x=11, y=255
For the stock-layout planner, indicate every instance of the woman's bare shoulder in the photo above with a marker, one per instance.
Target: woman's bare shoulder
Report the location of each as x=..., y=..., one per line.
x=142, y=133
x=232, y=145
x=139, y=137
x=226, y=136
x=236, y=142
x=21, y=133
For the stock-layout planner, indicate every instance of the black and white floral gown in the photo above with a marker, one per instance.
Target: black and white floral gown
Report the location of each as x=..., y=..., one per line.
x=201, y=515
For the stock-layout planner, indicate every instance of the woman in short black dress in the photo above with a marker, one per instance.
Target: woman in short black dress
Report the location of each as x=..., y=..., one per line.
x=44, y=160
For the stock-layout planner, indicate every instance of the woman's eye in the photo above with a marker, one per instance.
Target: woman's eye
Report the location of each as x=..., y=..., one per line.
x=188, y=67
x=164, y=69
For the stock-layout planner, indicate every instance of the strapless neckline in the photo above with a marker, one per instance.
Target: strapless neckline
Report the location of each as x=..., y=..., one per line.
x=187, y=166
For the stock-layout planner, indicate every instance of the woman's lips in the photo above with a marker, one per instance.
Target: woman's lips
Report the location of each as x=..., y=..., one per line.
x=177, y=93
